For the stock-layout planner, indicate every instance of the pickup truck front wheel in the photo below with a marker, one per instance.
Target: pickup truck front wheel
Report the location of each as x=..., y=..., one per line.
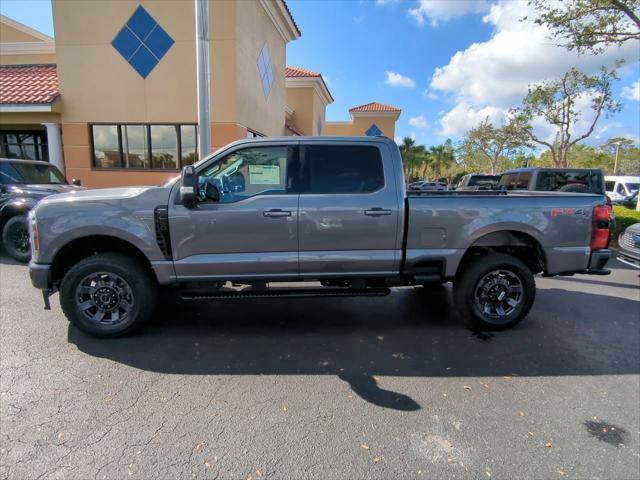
x=494, y=292
x=107, y=295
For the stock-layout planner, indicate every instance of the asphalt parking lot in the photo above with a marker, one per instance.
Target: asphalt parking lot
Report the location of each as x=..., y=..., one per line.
x=356, y=388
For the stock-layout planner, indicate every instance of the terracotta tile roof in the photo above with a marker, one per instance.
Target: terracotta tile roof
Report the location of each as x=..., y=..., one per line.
x=293, y=20
x=374, y=107
x=295, y=72
x=28, y=84
x=293, y=129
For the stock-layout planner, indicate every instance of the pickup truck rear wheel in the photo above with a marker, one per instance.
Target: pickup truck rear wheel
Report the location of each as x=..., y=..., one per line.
x=108, y=295
x=494, y=292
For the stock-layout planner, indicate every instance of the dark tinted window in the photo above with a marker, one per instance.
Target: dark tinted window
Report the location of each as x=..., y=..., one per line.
x=552, y=180
x=341, y=169
x=487, y=181
x=523, y=181
x=11, y=173
x=609, y=186
x=508, y=180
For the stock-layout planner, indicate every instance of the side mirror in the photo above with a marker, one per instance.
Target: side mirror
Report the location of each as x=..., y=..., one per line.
x=189, y=186
x=76, y=182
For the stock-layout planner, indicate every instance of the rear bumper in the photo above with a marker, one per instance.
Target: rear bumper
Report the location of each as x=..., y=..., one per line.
x=40, y=275
x=598, y=260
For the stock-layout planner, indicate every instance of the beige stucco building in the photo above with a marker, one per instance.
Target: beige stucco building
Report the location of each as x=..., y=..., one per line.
x=112, y=100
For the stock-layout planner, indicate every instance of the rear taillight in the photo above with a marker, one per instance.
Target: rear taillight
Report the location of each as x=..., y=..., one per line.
x=601, y=221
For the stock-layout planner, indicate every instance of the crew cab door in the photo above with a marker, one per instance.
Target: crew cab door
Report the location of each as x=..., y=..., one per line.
x=251, y=230
x=349, y=210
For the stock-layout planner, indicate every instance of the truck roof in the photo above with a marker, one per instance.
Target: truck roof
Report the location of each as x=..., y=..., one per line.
x=315, y=139
x=550, y=169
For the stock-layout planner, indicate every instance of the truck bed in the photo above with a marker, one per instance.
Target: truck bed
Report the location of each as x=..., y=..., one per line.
x=442, y=226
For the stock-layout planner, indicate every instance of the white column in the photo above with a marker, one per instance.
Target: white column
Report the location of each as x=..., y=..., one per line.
x=54, y=142
x=202, y=77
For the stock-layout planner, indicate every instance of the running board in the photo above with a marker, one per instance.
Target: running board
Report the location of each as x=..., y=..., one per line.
x=286, y=293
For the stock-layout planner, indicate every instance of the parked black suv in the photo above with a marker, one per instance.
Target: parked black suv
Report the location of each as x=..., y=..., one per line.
x=23, y=183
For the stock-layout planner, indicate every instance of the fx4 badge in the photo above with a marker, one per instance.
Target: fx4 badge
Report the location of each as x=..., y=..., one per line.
x=556, y=212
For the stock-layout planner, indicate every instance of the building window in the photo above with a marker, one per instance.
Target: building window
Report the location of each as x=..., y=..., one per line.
x=144, y=147
x=264, y=68
x=24, y=144
x=135, y=146
x=188, y=144
x=164, y=146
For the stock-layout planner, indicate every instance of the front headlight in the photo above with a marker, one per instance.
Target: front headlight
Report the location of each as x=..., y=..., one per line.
x=33, y=236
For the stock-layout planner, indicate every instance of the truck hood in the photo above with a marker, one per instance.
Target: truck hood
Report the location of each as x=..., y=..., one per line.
x=41, y=190
x=98, y=194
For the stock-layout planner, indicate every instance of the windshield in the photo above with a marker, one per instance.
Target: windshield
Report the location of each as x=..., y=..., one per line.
x=632, y=187
x=30, y=173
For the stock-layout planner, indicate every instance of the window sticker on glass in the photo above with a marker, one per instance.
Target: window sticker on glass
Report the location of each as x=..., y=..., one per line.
x=264, y=174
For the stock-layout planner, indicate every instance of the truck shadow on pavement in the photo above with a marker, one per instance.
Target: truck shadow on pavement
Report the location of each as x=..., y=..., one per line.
x=409, y=333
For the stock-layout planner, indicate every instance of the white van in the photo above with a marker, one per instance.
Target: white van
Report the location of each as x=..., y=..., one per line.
x=620, y=187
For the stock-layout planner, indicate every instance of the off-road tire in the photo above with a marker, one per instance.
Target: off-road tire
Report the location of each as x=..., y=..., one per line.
x=14, y=228
x=574, y=188
x=140, y=282
x=470, y=280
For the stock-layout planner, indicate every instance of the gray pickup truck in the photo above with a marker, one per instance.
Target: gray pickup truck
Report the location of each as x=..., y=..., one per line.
x=330, y=210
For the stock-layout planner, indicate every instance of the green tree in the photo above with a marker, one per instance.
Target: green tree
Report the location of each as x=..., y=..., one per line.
x=554, y=102
x=495, y=143
x=615, y=146
x=590, y=25
x=441, y=161
x=413, y=157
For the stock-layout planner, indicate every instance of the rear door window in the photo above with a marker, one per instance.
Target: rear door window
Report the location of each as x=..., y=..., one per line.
x=523, y=181
x=341, y=169
x=508, y=180
x=553, y=180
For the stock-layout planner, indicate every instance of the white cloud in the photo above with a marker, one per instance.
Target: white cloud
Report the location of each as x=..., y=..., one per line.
x=632, y=92
x=418, y=122
x=463, y=117
x=493, y=76
x=436, y=11
x=385, y=2
x=398, y=80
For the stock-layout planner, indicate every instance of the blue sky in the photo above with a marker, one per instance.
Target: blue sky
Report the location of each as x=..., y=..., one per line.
x=446, y=64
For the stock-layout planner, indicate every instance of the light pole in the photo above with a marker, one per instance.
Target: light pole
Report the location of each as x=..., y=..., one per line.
x=615, y=164
x=202, y=68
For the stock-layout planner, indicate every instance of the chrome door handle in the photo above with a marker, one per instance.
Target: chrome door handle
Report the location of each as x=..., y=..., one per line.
x=276, y=213
x=376, y=212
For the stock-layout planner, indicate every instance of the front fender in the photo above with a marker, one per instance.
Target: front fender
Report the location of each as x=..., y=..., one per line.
x=17, y=206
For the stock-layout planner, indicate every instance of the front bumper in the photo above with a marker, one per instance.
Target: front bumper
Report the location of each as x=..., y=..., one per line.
x=629, y=257
x=40, y=275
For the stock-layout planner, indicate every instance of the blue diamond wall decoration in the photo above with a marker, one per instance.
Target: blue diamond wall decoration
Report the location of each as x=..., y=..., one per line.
x=142, y=42
x=373, y=131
